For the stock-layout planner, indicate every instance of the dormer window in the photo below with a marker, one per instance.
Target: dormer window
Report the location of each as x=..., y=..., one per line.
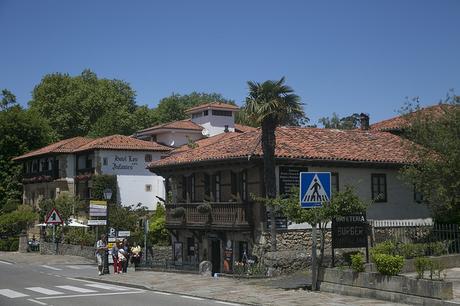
x=223, y=113
x=205, y=113
x=197, y=115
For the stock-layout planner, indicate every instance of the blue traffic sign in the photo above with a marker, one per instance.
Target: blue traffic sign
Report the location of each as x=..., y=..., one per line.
x=315, y=188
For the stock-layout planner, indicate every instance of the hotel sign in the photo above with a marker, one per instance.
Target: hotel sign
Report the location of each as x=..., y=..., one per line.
x=97, y=208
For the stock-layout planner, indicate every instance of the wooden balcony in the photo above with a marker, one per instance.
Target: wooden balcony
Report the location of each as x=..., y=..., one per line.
x=223, y=215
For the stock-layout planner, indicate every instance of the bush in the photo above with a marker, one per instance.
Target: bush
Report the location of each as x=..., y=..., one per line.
x=14, y=244
x=347, y=256
x=412, y=250
x=436, y=248
x=388, y=264
x=79, y=236
x=421, y=265
x=357, y=262
x=204, y=208
x=178, y=212
x=436, y=269
x=387, y=247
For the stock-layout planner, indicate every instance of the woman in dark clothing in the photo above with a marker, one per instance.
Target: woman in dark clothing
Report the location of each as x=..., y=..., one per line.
x=127, y=253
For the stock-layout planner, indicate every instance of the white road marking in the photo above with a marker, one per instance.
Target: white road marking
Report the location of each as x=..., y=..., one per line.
x=159, y=292
x=38, y=302
x=228, y=303
x=191, y=297
x=11, y=293
x=5, y=262
x=108, y=287
x=89, y=294
x=52, y=268
x=44, y=290
x=74, y=267
x=81, y=280
x=77, y=289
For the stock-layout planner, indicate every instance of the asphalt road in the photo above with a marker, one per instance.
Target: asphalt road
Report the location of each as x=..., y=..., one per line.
x=55, y=285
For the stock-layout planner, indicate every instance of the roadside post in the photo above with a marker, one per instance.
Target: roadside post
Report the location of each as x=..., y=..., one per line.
x=315, y=189
x=53, y=217
x=146, y=231
x=107, y=196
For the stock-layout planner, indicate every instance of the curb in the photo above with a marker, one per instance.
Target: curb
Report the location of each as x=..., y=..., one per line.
x=148, y=288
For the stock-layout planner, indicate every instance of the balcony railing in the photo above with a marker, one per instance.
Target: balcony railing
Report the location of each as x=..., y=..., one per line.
x=222, y=215
x=85, y=170
x=41, y=176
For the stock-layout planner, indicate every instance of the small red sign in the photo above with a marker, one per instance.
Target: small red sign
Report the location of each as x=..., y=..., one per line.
x=53, y=217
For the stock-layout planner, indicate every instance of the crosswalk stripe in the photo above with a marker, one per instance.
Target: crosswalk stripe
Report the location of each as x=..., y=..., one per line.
x=76, y=289
x=11, y=293
x=52, y=268
x=108, y=287
x=5, y=262
x=38, y=302
x=44, y=290
x=75, y=267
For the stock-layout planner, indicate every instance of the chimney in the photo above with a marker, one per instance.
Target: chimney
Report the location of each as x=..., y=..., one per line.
x=364, y=121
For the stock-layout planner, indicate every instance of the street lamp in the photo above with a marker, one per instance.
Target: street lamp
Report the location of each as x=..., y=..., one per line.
x=107, y=193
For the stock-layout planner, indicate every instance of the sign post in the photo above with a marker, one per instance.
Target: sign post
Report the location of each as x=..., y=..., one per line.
x=53, y=217
x=315, y=189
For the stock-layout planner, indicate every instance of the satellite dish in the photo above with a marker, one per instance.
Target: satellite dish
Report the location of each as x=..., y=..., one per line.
x=171, y=143
x=205, y=132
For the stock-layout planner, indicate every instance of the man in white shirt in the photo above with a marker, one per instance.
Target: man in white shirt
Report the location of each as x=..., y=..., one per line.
x=101, y=248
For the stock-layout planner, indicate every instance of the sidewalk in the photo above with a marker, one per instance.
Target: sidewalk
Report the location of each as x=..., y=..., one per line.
x=36, y=258
x=252, y=292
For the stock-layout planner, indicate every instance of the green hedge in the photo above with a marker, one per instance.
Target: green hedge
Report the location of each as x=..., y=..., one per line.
x=388, y=264
x=410, y=250
x=9, y=244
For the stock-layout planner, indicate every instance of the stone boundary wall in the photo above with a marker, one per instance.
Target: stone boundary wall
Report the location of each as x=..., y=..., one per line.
x=48, y=248
x=161, y=253
x=393, y=288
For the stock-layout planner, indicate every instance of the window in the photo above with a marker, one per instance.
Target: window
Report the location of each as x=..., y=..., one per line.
x=190, y=246
x=148, y=158
x=205, y=113
x=239, y=184
x=379, y=187
x=207, y=187
x=216, y=112
x=148, y=188
x=334, y=182
x=188, y=188
x=216, y=186
x=197, y=115
x=418, y=196
x=89, y=164
x=105, y=161
x=153, y=138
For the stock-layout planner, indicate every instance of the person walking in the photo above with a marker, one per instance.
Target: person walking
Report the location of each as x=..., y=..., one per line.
x=116, y=261
x=127, y=253
x=101, y=248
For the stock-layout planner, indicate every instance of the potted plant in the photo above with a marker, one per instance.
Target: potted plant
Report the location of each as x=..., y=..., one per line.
x=204, y=208
x=178, y=212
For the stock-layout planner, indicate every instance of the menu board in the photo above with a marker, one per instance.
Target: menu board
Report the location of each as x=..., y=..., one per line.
x=289, y=177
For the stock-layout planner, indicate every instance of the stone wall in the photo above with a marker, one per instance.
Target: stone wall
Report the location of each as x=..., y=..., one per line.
x=161, y=253
x=48, y=248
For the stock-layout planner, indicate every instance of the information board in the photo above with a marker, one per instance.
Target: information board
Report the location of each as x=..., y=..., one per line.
x=289, y=177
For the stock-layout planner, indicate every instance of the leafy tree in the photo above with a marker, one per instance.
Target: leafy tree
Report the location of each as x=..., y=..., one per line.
x=102, y=182
x=270, y=104
x=21, y=131
x=344, y=123
x=173, y=108
x=158, y=234
x=437, y=175
x=342, y=203
x=66, y=204
x=74, y=105
x=13, y=223
x=8, y=99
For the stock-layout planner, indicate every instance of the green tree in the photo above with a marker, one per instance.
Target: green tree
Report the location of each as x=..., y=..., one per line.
x=270, y=104
x=437, y=174
x=8, y=99
x=13, y=223
x=158, y=234
x=344, y=123
x=66, y=204
x=84, y=104
x=173, y=108
x=21, y=131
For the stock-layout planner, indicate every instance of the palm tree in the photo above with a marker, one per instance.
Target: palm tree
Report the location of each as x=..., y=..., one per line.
x=270, y=104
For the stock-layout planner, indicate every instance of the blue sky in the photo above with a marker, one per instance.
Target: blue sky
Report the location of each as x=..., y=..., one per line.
x=339, y=56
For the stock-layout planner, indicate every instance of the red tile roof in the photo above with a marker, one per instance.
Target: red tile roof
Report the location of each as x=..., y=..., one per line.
x=186, y=124
x=401, y=122
x=243, y=128
x=301, y=143
x=213, y=105
x=206, y=141
x=120, y=142
x=63, y=146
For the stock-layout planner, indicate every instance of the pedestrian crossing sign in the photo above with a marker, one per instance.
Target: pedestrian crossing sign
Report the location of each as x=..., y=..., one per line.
x=315, y=188
x=53, y=217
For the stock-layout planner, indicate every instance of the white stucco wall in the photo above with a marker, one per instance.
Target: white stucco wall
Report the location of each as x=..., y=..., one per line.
x=400, y=202
x=132, y=176
x=177, y=138
x=216, y=124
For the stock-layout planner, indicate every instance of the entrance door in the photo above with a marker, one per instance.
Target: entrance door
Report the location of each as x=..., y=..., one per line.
x=215, y=256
